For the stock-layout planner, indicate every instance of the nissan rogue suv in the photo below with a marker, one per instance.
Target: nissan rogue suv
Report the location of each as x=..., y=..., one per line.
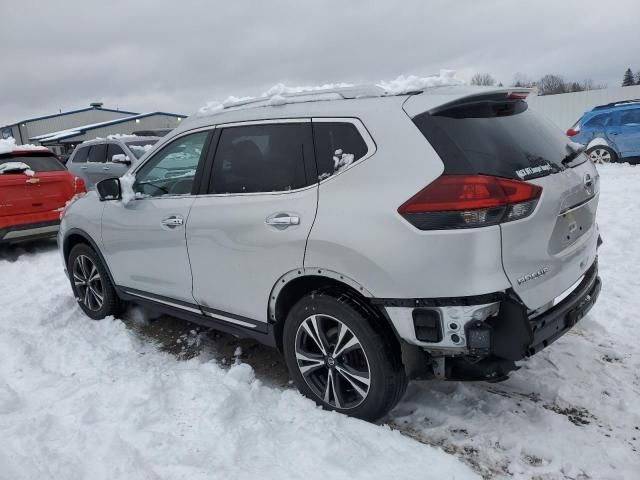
x=371, y=238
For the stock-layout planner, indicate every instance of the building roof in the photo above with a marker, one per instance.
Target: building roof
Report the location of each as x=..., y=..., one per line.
x=72, y=132
x=71, y=112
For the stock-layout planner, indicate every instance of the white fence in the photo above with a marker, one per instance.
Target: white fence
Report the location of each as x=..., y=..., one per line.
x=564, y=109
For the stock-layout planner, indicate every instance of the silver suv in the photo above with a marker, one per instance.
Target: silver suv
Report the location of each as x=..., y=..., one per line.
x=98, y=159
x=371, y=238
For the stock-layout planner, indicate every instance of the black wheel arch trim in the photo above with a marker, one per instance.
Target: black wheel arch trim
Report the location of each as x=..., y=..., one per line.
x=92, y=243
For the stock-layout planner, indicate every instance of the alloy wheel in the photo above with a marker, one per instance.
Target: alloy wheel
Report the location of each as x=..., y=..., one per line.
x=88, y=283
x=600, y=155
x=332, y=361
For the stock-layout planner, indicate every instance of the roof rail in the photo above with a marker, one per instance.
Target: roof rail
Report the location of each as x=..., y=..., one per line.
x=615, y=104
x=350, y=92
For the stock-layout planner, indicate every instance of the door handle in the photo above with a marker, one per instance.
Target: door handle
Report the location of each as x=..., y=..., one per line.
x=283, y=220
x=172, y=221
x=83, y=167
x=105, y=168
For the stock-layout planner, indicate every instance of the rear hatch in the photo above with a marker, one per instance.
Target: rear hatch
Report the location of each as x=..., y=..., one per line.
x=546, y=252
x=45, y=186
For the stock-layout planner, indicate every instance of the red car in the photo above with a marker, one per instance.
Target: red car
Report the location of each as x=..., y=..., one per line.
x=34, y=188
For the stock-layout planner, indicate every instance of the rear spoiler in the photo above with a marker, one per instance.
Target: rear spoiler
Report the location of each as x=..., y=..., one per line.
x=446, y=98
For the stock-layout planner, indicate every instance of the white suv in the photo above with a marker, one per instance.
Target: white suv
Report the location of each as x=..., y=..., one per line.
x=372, y=238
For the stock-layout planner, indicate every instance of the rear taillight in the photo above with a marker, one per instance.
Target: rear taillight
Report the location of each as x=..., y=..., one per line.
x=571, y=132
x=79, y=186
x=468, y=201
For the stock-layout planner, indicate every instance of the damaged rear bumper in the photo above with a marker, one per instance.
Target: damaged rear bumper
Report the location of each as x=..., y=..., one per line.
x=492, y=331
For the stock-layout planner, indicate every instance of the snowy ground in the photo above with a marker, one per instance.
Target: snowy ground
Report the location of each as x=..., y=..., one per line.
x=137, y=399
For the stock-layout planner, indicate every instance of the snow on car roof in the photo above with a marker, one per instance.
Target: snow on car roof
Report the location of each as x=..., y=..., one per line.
x=281, y=94
x=8, y=145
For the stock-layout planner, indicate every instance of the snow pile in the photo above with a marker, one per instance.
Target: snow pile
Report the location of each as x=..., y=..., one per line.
x=16, y=167
x=8, y=145
x=126, y=188
x=86, y=399
x=412, y=83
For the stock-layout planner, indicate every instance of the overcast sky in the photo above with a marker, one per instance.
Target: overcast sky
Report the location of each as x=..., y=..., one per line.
x=175, y=56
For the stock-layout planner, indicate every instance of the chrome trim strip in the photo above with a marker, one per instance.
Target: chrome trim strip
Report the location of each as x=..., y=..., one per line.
x=230, y=320
x=580, y=205
x=31, y=231
x=176, y=305
x=567, y=292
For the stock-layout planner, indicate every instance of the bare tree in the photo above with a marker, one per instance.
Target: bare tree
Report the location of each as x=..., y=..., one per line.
x=483, y=79
x=520, y=80
x=552, y=84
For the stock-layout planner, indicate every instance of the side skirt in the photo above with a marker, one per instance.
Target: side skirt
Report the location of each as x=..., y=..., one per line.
x=235, y=325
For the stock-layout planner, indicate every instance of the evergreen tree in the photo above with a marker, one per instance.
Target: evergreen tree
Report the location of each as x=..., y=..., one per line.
x=627, y=81
x=638, y=77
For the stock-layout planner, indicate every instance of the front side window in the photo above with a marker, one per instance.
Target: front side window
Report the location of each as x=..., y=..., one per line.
x=262, y=158
x=338, y=145
x=98, y=153
x=172, y=170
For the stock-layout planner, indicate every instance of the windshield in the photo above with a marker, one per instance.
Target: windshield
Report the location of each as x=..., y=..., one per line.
x=141, y=147
x=46, y=163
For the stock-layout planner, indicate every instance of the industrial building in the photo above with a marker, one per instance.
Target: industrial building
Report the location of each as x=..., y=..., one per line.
x=61, y=132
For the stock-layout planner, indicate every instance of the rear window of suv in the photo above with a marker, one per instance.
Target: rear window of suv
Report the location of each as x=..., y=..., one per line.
x=499, y=138
x=44, y=163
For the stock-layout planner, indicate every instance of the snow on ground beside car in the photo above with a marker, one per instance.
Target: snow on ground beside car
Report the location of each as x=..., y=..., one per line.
x=81, y=399
x=573, y=410
x=85, y=399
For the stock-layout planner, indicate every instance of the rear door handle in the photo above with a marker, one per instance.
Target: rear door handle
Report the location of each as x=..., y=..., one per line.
x=83, y=167
x=172, y=221
x=282, y=220
x=105, y=168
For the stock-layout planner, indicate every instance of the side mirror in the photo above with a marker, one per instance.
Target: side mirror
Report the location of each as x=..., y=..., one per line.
x=121, y=158
x=109, y=189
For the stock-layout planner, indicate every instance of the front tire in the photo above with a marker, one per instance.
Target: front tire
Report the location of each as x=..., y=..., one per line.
x=337, y=359
x=601, y=154
x=91, y=283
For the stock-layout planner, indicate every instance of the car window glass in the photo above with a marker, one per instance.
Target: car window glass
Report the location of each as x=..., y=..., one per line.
x=261, y=158
x=596, y=122
x=112, y=150
x=172, y=170
x=630, y=117
x=337, y=145
x=81, y=155
x=98, y=153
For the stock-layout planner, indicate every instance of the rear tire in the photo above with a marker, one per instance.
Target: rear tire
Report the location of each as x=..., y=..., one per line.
x=601, y=154
x=91, y=283
x=337, y=359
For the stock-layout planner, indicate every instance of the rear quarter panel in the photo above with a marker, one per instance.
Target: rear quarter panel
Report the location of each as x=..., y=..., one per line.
x=359, y=233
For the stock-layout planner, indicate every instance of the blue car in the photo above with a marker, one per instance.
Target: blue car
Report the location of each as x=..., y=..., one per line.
x=610, y=133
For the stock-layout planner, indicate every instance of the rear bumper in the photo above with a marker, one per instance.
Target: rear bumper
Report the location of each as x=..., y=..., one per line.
x=28, y=232
x=491, y=332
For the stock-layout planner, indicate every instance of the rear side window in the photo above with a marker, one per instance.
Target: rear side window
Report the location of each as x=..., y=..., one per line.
x=630, y=117
x=47, y=163
x=598, y=121
x=263, y=158
x=338, y=145
x=81, y=155
x=98, y=153
x=112, y=150
x=503, y=139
